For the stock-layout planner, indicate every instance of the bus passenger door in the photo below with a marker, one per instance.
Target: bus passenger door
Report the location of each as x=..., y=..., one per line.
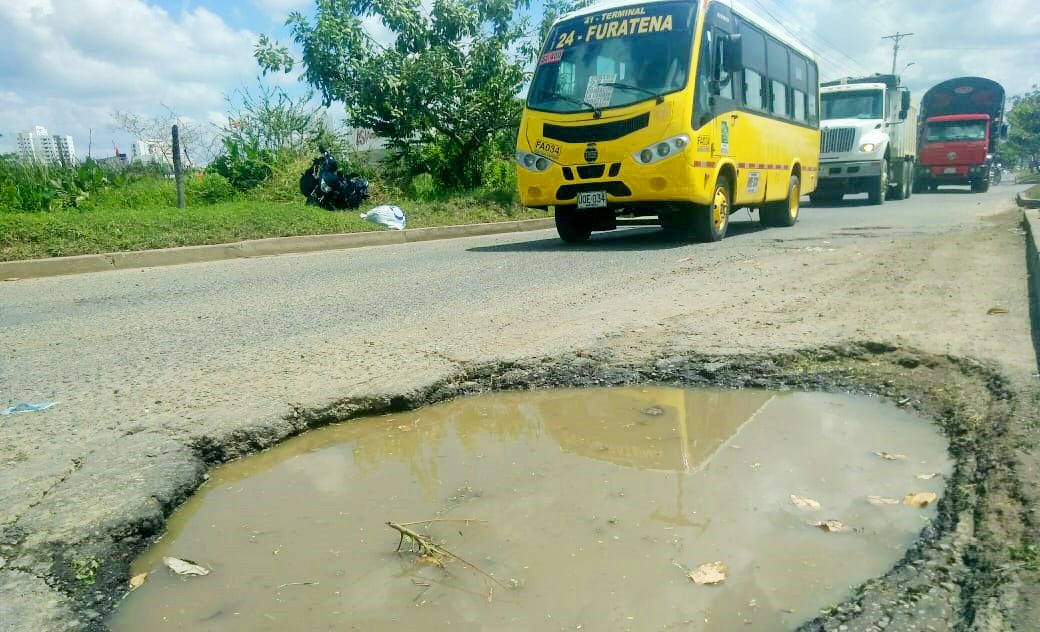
x=727, y=128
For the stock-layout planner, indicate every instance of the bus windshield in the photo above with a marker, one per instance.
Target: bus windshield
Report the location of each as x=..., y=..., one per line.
x=862, y=104
x=614, y=58
x=953, y=131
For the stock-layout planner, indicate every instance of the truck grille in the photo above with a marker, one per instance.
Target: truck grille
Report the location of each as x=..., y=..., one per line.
x=837, y=139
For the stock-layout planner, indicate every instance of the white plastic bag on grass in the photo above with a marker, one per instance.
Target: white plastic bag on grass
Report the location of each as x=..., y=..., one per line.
x=386, y=215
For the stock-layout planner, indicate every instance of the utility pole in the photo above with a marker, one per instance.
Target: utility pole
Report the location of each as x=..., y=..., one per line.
x=895, y=46
x=178, y=172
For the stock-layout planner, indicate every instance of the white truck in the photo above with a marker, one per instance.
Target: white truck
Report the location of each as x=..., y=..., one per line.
x=868, y=139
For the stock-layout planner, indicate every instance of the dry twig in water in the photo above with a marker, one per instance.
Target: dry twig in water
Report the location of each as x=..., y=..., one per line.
x=426, y=548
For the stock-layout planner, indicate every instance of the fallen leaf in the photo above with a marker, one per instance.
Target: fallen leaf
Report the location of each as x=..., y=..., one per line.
x=755, y=466
x=137, y=581
x=406, y=428
x=653, y=411
x=920, y=499
x=184, y=567
x=891, y=457
x=881, y=500
x=832, y=526
x=808, y=504
x=996, y=310
x=710, y=573
x=929, y=476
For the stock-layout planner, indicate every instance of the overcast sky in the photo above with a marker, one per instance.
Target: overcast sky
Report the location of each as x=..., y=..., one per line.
x=68, y=64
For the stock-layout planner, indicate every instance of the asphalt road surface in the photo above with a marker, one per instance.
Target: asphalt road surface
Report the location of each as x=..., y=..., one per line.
x=203, y=350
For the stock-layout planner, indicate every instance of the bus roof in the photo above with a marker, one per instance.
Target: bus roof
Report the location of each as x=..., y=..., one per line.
x=766, y=25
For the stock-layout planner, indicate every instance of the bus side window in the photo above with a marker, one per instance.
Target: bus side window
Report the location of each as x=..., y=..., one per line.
x=799, y=106
x=778, y=98
x=702, y=103
x=753, y=90
x=753, y=49
x=778, y=78
x=813, y=95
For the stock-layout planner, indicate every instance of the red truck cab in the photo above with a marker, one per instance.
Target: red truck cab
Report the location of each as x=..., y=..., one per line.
x=955, y=149
x=961, y=124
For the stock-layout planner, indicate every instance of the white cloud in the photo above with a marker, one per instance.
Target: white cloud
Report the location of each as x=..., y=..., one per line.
x=70, y=63
x=950, y=39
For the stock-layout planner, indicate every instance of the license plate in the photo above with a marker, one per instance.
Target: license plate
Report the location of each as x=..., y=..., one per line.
x=592, y=199
x=950, y=170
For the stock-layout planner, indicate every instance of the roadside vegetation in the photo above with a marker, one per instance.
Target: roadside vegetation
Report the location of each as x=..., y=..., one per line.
x=444, y=99
x=250, y=190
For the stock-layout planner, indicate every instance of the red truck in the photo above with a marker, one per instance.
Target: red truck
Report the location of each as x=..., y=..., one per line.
x=961, y=122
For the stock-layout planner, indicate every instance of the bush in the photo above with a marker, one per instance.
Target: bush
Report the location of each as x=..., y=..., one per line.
x=245, y=167
x=498, y=177
x=208, y=188
x=424, y=188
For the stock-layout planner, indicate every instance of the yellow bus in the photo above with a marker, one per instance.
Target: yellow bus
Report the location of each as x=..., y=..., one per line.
x=670, y=113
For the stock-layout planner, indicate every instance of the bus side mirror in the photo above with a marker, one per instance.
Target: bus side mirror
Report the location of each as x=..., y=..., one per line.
x=732, y=54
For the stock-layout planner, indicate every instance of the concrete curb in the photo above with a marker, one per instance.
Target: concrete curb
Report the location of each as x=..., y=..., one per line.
x=56, y=266
x=1031, y=222
x=1026, y=202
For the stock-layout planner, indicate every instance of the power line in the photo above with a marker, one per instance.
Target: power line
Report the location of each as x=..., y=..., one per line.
x=842, y=66
x=835, y=48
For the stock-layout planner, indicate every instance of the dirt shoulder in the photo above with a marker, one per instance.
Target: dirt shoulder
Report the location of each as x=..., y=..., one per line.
x=907, y=319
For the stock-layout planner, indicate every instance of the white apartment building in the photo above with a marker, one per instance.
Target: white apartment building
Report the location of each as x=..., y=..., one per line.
x=152, y=150
x=40, y=146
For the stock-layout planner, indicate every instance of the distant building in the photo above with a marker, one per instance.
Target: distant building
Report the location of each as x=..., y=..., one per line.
x=152, y=150
x=117, y=161
x=40, y=146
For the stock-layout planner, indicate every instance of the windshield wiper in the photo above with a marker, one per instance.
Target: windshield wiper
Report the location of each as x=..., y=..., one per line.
x=628, y=86
x=596, y=112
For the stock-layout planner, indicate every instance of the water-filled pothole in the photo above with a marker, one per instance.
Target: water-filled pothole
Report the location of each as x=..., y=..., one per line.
x=594, y=505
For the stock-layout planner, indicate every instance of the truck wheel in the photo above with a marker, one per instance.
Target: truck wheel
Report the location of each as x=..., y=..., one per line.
x=909, y=180
x=572, y=226
x=980, y=186
x=919, y=187
x=784, y=212
x=902, y=190
x=879, y=186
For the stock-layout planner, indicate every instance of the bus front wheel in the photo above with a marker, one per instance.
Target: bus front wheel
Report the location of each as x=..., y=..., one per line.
x=709, y=223
x=572, y=226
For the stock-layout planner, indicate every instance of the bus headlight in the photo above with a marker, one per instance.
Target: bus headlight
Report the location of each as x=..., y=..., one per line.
x=663, y=149
x=532, y=162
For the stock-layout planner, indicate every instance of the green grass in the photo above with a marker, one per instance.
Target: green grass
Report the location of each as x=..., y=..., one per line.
x=1032, y=192
x=102, y=228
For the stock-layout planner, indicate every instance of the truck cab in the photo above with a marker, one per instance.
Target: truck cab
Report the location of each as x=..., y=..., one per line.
x=867, y=140
x=961, y=127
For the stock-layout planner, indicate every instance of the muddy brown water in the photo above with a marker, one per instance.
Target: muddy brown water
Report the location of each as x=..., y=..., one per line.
x=594, y=506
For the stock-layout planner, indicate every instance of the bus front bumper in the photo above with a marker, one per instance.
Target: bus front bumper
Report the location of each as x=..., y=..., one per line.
x=627, y=184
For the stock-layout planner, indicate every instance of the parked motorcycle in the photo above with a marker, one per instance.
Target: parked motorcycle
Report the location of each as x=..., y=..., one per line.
x=323, y=185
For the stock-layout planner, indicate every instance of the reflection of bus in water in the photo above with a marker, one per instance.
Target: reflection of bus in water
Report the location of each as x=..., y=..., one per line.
x=670, y=113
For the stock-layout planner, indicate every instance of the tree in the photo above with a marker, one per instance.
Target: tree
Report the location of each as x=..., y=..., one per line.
x=552, y=9
x=197, y=141
x=266, y=126
x=266, y=117
x=441, y=89
x=1024, y=133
